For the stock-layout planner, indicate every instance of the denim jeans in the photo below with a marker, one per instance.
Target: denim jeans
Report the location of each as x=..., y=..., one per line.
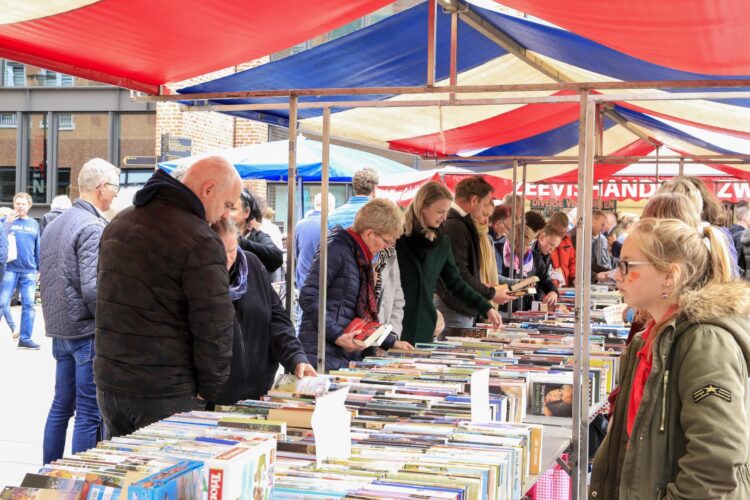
x=26, y=283
x=125, y=414
x=9, y=317
x=453, y=318
x=75, y=394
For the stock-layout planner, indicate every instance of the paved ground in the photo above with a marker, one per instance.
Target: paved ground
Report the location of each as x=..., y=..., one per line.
x=26, y=388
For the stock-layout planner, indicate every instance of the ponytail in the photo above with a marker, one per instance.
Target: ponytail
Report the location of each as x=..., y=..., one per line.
x=719, y=257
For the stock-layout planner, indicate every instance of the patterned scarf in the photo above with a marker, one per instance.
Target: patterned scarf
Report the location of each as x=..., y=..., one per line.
x=528, y=261
x=488, y=264
x=367, y=305
x=238, y=276
x=380, y=263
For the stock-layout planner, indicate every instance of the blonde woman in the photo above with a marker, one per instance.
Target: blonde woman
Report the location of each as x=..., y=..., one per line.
x=424, y=256
x=680, y=424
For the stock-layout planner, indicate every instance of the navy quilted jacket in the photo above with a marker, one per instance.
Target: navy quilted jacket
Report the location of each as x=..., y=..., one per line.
x=343, y=289
x=69, y=256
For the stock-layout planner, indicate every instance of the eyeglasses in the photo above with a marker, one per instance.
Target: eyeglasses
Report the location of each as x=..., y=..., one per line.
x=624, y=266
x=387, y=242
x=116, y=187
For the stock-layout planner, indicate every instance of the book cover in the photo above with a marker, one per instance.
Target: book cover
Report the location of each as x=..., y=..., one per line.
x=367, y=333
x=181, y=481
x=552, y=399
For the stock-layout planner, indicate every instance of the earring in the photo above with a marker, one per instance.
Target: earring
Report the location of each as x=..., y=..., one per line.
x=664, y=295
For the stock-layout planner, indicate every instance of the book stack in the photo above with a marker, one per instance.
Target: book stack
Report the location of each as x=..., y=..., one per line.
x=187, y=456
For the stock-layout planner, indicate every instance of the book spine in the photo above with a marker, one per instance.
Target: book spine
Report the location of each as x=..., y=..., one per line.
x=215, y=484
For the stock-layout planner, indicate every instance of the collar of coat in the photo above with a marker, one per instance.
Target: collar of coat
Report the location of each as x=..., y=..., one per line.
x=725, y=305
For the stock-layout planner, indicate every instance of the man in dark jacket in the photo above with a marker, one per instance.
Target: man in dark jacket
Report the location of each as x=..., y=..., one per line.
x=69, y=257
x=473, y=200
x=164, y=314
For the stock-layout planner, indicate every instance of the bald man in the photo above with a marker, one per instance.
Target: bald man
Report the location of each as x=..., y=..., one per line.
x=163, y=314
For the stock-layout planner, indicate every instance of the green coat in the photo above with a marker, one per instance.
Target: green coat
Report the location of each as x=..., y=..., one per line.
x=419, y=279
x=691, y=436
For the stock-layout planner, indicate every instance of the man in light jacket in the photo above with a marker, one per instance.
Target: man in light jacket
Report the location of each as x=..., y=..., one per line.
x=69, y=258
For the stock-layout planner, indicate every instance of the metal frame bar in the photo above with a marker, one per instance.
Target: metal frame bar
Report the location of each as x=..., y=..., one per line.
x=431, y=41
x=291, y=198
x=583, y=295
x=512, y=237
x=323, y=275
x=474, y=89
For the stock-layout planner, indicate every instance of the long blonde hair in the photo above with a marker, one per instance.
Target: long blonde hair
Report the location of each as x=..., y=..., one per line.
x=673, y=205
x=428, y=194
x=665, y=242
x=705, y=202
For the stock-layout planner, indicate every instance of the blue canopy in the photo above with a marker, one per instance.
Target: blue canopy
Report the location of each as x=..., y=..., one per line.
x=270, y=161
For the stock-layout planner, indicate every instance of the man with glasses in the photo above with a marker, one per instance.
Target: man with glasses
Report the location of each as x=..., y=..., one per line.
x=69, y=258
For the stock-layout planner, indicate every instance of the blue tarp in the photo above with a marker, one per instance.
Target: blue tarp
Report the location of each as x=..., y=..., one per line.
x=269, y=161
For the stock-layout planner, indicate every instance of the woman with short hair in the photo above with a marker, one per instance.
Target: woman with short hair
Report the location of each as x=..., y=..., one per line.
x=263, y=334
x=351, y=283
x=247, y=217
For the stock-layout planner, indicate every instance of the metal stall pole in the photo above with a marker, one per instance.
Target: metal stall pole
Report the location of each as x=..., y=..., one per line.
x=323, y=275
x=657, y=165
x=581, y=410
x=431, y=41
x=454, y=52
x=682, y=166
x=291, y=184
x=513, y=230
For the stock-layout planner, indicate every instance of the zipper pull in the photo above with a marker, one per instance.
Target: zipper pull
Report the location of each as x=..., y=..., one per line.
x=665, y=384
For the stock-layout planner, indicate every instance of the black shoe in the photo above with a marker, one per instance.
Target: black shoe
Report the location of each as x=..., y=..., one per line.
x=28, y=344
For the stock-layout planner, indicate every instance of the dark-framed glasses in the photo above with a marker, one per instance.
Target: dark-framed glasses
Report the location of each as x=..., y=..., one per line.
x=624, y=266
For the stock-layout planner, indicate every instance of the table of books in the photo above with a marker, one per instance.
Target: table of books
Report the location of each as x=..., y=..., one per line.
x=412, y=418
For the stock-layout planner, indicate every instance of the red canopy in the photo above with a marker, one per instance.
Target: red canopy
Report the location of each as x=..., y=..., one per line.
x=701, y=36
x=141, y=44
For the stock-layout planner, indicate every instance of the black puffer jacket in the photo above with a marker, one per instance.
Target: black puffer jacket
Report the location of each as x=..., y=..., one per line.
x=163, y=313
x=69, y=254
x=260, y=244
x=341, y=305
x=263, y=337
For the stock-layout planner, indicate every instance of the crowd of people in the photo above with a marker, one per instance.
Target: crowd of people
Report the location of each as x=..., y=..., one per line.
x=170, y=306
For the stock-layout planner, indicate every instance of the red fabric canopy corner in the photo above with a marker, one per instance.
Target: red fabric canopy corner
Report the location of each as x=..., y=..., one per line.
x=142, y=44
x=700, y=36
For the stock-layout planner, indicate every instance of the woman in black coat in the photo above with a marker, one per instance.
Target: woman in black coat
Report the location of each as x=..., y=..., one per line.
x=351, y=284
x=263, y=334
x=246, y=214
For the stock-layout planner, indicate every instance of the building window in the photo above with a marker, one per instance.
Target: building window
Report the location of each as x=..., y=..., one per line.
x=8, y=120
x=49, y=78
x=15, y=74
x=65, y=121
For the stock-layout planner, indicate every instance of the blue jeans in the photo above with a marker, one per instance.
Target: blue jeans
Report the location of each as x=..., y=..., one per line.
x=75, y=393
x=26, y=283
x=453, y=318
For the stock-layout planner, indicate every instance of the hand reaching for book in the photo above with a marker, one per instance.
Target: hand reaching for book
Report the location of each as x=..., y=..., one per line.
x=404, y=345
x=550, y=299
x=305, y=370
x=346, y=342
x=501, y=296
x=494, y=317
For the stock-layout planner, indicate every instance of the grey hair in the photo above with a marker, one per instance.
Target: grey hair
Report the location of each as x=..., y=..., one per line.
x=318, y=201
x=96, y=172
x=61, y=202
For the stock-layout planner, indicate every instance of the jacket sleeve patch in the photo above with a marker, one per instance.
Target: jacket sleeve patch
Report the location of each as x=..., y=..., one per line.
x=712, y=390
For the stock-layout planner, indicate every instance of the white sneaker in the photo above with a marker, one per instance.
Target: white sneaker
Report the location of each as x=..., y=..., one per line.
x=15, y=335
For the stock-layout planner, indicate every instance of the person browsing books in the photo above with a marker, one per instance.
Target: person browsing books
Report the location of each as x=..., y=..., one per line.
x=164, y=316
x=263, y=333
x=527, y=262
x=426, y=252
x=247, y=216
x=351, y=283
x=473, y=200
x=680, y=427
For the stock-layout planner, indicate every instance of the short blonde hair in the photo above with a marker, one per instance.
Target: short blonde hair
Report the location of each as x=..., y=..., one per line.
x=382, y=216
x=25, y=196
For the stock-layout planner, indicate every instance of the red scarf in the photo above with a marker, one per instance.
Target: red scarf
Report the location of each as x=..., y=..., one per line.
x=644, y=360
x=367, y=305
